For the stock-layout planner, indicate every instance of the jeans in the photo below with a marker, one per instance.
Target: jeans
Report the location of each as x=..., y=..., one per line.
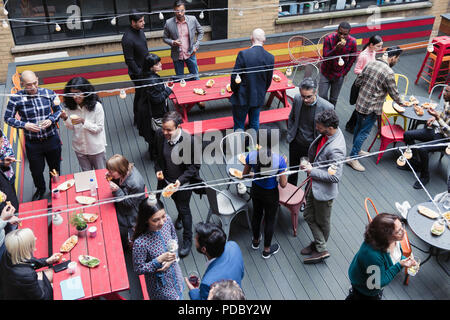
x=265, y=204
x=239, y=115
x=181, y=199
x=296, y=151
x=191, y=64
x=318, y=216
x=324, y=86
x=38, y=152
x=420, y=156
x=364, y=123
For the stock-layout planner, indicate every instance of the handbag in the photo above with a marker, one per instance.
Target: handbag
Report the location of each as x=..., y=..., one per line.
x=354, y=92
x=156, y=124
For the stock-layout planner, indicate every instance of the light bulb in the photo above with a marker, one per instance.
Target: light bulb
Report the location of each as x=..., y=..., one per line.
x=238, y=79
x=387, y=1
x=316, y=6
x=341, y=62
x=401, y=161
x=280, y=9
x=241, y=13
x=56, y=101
x=353, y=4
x=5, y=24
x=289, y=71
x=123, y=94
x=114, y=21
x=5, y=12
x=182, y=83
x=430, y=47
x=332, y=169
x=385, y=55
x=202, y=15
x=447, y=150
x=57, y=28
x=57, y=219
x=161, y=16
x=408, y=153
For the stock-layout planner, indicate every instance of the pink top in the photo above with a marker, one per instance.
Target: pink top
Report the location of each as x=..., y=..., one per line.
x=183, y=33
x=364, y=58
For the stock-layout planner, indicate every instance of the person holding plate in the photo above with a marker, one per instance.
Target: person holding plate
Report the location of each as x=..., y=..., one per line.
x=153, y=254
x=379, y=259
x=125, y=179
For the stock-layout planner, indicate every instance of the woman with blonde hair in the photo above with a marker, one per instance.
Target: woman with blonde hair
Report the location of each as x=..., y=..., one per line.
x=125, y=180
x=19, y=280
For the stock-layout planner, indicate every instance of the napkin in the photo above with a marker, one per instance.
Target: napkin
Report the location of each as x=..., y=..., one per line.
x=403, y=208
x=72, y=289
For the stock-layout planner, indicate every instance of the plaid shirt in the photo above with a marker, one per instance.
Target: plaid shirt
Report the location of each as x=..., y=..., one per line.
x=331, y=68
x=444, y=120
x=33, y=109
x=375, y=81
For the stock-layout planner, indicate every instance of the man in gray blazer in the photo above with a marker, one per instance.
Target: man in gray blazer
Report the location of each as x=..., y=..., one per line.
x=328, y=148
x=302, y=124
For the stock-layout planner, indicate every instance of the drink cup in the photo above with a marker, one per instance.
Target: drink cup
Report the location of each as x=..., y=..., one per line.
x=72, y=267
x=194, y=279
x=56, y=194
x=74, y=117
x=55, y=179
x=92, y=231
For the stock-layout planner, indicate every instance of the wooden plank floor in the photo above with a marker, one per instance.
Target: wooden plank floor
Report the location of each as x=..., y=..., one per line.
x=284, y=276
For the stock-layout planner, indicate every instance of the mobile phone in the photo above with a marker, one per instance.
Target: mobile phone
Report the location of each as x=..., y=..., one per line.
x=61, y=266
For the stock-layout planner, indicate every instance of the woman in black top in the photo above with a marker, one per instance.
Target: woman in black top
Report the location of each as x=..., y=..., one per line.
x=154, y=100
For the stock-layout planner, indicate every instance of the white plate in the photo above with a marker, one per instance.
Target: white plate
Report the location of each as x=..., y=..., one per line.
x=66, y=185
x=85, y=200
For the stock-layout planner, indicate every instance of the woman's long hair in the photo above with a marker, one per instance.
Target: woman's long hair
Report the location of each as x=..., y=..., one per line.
x=380, y=232
x=150, y=60
x=82, y=84
x=376, y=39
x=146, y=211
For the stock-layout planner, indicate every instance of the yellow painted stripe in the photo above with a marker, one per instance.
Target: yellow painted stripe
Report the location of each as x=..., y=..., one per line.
x=19, y=157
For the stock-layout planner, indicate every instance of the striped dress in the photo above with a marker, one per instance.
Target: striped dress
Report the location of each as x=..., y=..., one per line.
x=167, y=285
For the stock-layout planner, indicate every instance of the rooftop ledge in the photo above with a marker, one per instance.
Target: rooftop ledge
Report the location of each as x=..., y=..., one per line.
x=353, y=12
x=83, y=42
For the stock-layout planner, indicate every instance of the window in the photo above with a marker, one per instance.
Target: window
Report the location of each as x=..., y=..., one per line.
x=44, y=15
x=290, y=8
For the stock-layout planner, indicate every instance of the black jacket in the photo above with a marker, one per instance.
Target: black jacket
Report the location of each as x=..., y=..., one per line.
x=20, y=282
x=135, y=49
x=7, y=188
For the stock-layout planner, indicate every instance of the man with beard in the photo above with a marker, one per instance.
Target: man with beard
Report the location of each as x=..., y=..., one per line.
x=302, y=125
x=375, y=81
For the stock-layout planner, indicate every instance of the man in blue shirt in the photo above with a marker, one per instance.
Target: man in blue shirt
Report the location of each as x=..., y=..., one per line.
x=38, y=117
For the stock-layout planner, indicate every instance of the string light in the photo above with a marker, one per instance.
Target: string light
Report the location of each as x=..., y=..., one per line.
x=114, y=21
x=161, y=16
x=353, y=4
x=401, y=161
x=57, y=219
x=241, y=13
x=202, y=15
x=341, y=61
x=447, y=150
x=387, y=1
x=5, y=24
x=122, y=94
x=56, y=101
x=183, y=83
x=332, y=169
x=289, y=71
x=385, y=55
x=316, y=5
x=57, y=28
x=408, y=153
x=430, y=47
x=5, y=12
x=238, y=79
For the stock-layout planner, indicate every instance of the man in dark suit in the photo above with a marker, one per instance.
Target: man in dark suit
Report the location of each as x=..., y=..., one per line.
x=302, y=123
x=255, y=68
x=177, y=164
x=135, y=49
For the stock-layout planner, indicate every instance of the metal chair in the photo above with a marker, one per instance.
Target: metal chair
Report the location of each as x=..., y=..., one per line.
x=225, y=206
x=441, y=95
x=406, y=246
x=303, y=54
x=387, y=106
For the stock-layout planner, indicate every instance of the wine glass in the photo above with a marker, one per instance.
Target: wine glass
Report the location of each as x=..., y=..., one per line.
x=194, y=279
x=172, y=246
x=170, y=83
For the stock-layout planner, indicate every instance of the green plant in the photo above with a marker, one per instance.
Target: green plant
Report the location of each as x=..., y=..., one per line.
x=77, y=221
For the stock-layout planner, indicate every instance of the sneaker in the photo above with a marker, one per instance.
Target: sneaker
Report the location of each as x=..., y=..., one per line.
x=356, y=165
x=363, y=153
x=316, y=257
x=255, y=245
x=273, y=249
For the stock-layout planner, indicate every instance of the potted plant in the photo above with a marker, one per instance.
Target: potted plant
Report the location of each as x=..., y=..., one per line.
x=79, y=223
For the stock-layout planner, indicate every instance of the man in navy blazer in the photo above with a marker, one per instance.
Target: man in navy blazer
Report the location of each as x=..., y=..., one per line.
x=225, y=260
x=249, y=95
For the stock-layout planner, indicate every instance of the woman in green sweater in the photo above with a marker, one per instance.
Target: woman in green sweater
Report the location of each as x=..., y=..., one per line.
x=379, y=258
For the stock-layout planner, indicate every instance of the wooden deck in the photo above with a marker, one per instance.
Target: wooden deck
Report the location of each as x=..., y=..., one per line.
x=284, y=276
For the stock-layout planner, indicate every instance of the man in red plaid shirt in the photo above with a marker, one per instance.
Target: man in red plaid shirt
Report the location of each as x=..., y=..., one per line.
x=335, y=46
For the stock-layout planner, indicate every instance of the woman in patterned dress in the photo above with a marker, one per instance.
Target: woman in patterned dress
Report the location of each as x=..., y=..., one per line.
x=151, y=256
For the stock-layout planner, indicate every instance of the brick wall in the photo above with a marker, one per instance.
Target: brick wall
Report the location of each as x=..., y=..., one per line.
x=6, y=42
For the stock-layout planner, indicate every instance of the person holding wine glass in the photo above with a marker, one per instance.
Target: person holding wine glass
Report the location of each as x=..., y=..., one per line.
x=151, y=252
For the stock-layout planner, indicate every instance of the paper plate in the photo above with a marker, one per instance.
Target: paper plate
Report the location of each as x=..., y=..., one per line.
x=85, y=200
x=66, y=185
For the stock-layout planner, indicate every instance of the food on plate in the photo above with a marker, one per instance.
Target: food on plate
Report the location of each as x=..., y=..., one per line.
x=210, y=83
x=66, y=185
x=276, y=78
x=438, y=228
x=88, y=261
x=85, y=200
x=419, y=110
x=407, y=103
x=89, y=217
x=241, y=158
x=427, y=212
x=199, y=91
x=429, y=105
x=169, y=190
x=398, y=108
x=69, y=244
x=413, y=100
x=229, y=88
x=446, y=215
x=236, y=173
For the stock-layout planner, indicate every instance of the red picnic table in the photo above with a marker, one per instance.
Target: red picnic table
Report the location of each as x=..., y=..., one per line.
x=185, y=99
x=110, y=276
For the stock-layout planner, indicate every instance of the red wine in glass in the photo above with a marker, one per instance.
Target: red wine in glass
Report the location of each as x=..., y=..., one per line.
x=170, y=83
x=193, y=279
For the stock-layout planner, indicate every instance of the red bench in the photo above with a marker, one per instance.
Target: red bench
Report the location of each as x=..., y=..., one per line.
x=266, y=116
x=38, y=225
x=143, y=287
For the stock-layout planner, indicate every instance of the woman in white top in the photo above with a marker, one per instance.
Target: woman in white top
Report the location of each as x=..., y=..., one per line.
x=84, y=115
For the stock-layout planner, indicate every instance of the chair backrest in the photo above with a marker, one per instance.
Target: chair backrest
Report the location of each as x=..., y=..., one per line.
x=399, y=76
x=366, y=200
x=319, y=45
x=233, y=143
x=432, y=91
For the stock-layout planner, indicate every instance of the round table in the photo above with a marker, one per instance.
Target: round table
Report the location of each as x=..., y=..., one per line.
x=421, y=226
x=415, y=119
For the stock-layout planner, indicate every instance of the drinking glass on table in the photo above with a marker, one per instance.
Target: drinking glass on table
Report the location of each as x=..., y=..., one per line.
x=172, y=246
